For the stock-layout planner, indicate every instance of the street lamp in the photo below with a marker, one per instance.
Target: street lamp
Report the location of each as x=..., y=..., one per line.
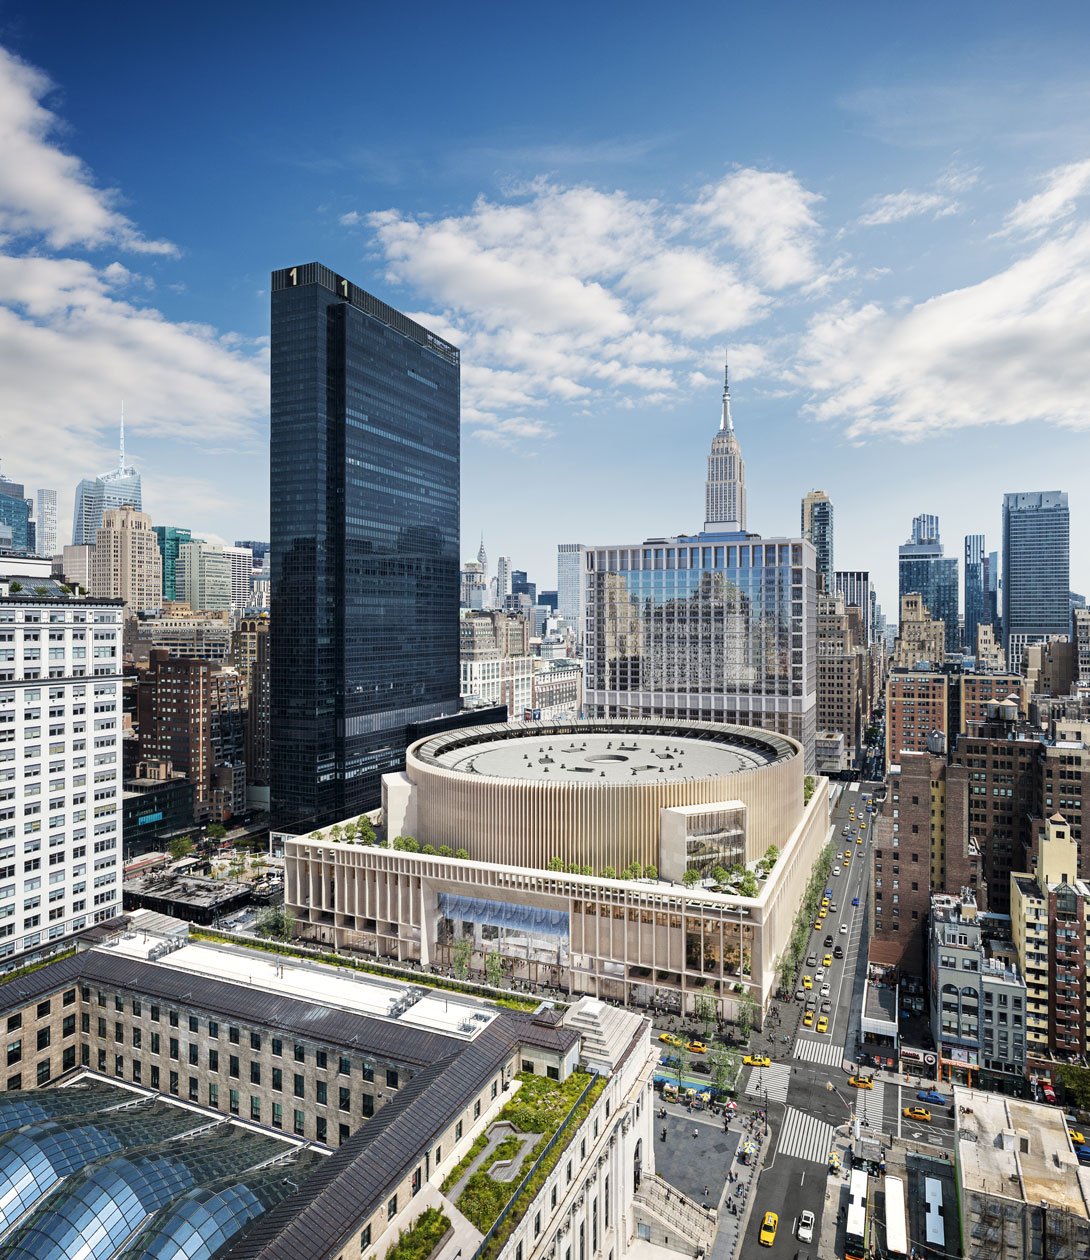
x=852, y=1116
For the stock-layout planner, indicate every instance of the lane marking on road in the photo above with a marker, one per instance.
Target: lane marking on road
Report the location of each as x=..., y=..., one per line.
x=805, y=1137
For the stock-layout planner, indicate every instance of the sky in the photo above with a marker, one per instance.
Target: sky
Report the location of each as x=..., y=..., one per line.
x=883, y=211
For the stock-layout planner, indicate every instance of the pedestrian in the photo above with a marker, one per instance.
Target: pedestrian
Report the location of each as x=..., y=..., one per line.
x=695, y=1132
x=706, y=1192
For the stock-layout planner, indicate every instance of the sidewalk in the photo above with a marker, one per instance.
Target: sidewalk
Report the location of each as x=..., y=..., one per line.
x=732, y=1228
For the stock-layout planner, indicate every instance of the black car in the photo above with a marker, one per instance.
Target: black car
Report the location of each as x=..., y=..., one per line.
x=838, y=952
x=828, y=941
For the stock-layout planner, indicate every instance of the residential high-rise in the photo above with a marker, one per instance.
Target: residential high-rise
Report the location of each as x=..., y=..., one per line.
x=719, y=626
x=503, y=580
x=171, y=538
x=817, y=527
x=1036, y=569
x=495, y=661
x=854, y=585
x=78, y=564
x=365, y=428
x=991, y=591
x=127, y=565
x=240, y=567
x=569, y=586
x=974, y=603
x=207, y=576
x=46, y=523
x=922, y=567
x=725, y=488
x=60, y=827
x=917, y=717
x=843, y=676
x=97, y=495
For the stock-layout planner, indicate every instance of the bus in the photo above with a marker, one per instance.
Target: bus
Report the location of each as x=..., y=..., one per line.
x=934, y=1226
x=855, y=1233
x=896, y=1219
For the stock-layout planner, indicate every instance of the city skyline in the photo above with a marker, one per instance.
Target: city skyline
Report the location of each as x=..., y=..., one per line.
x=849, y=246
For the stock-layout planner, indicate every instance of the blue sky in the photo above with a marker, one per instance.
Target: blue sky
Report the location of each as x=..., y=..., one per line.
x=886, y=213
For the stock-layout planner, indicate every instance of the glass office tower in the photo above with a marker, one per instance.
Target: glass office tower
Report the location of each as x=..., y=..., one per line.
x=364, y=450
x=1036, y=569
x=924, y=569
x=975, y=598
x=171, y=539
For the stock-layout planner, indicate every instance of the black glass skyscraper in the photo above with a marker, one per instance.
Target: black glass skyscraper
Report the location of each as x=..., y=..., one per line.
x=364, y=450
x=923, y=568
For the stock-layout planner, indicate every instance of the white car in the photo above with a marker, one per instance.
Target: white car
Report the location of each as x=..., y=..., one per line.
x=819, y=975
x=825, y=990
x=806, y=1227
x=843, y=929
x=836, y=870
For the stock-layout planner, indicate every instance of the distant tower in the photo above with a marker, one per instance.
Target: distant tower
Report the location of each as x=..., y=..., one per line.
x=482, y=557
x=817, y=527
x=725, y=490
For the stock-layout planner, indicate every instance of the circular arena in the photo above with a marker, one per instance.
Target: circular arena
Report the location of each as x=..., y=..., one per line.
x=598, y=794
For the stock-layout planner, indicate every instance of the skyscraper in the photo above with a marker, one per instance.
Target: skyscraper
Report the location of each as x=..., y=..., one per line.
x=1036, y=569
x=817, y=527
x=975, y=585
x=96, y=495
x=569, y=585
x=725, y=488
x=46, y=535
x=127, y=564
x=16, y=529
x=171, y=537
x=365, y=496
x=207, y=576
x=924, y=568
x=854, y=585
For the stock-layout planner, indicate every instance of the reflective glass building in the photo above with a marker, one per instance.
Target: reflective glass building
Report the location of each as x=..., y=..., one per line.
x=364, y=542
x=171, y=539
x=713, y=627
x=923, y=568
x=1036, y=568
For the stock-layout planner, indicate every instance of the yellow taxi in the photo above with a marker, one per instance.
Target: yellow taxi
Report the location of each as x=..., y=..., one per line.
x=916, y=1113
x=696, y=1047
x=671, y=1039
x=1076, y=1137
x=757, y=1060
x=817, y=924
x=847, y=855
x=827, y=961
x=825, y=903
x=769, y=1224
x=861, y=1082
x=858, y=839
x=808, y=1019
x=823, y=1024
x=807, y=982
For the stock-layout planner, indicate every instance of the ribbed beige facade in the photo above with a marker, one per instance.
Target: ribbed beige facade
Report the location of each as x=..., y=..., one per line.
x=528, y=822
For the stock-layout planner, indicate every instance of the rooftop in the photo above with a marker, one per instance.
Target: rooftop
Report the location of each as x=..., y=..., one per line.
x=604, y=752
x=1018, y=1150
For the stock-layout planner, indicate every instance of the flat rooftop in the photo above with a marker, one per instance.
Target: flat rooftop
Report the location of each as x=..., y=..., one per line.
x=1018, y=1150
x=408, y=1005
x=880, y=1002
x=188, y=890
x=595, y=758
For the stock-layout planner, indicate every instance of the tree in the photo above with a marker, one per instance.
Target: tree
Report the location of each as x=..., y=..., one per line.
x=650, y=872
x=336, y=833
x=720, y=874
x=807, y=789
x=1076, y=1083
x=428, y=850
x=555, y=864
x=275, y=921
x=217, y=831
x=351, y=831
x=772, y=856
x=631, y=871
x=681, y=1063
x=746, y=1018
x=495, y=966
x=461, y=953
x=180, y=847
x=609, y=872
x=365, y=830
x=749, y=886
x=691, y=877
x=705, y=1010
x=237, y=868
x=724, y=1066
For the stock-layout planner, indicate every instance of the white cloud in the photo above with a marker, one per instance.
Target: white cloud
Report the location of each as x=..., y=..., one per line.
x=1013, y=348
x=1057, y=200
x=896, y=207
x=769, y=216
x=45, y=193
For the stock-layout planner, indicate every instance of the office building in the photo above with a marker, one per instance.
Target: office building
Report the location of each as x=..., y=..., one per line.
x=521, y=585
x=557, y=691
x=78, y=565
x=60, y=822
x=46, y=523
x=990, y=657
x=16, y=527
x=127, y=565
x=725, y=487
x=365, y=437
x=171, y=538
x=156, y=806
x=97, y=495
x=843, y=682
x=1036, y=569
x=286, y=1124
x=258, y=731
x=182, y=632
x=817, y=527
x=257, y=548
x=1050, y=924
x=206, y=584
x=609, y=816
x=473, y=592
x=978, y=999
x=240, y=568
x=978, y=694
x=503, y=581
x=495, y=661
x=921, y=638
x=1021, y=1193
x=1080, y=637
x=190, y=713
x=854, y=585
x=570, y=594
x=1049, y=667
x=975, y=601
x=923, y=568
x=916, y=712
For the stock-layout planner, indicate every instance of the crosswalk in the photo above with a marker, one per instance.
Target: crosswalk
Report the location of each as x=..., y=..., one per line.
x=805, y=1137
x=770, y=1082
x=826, y=1051
x=872, y=1105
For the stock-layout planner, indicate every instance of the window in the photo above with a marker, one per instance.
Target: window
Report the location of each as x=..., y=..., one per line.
x=174, y=1082
x=232, y=1065
x=255, y=1107
x=16, y=1081
x=320, y=1129
x=14, y=1022
x=391, y=1208
x=298, y=1124
x=213, y=1029
x=43, y=1009
x=321, y=1059
x=255, y=1041
x=43, y=1072
x=278, y=1078
x=193, y=1096
x=368, y=1106
x=368, y=1071
x=232, y=1104
x=365, y=1238
x=194, y=1024
x=321, y=1092
x=213, y=1060
x=233, y=1035
x=344, y=1067
x=43, y=1038
x=344, y=1099
x=278, y=1115
x=277, y=1046
x=298, y=1084
x=193, y=1054
x=300, y=1053
x=255, y=1073
x=213, y=1095
x=391, y=1078
x=15, y=1051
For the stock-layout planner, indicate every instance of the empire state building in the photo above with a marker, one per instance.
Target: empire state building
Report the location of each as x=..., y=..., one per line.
x=725, y=491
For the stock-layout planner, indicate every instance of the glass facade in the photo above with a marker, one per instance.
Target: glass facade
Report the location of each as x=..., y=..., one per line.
x=975, y=594
x=170, y=541
x=924, y=569
x=1036, y=566
x=15, y=517
x=712, y=627
x=364, y=451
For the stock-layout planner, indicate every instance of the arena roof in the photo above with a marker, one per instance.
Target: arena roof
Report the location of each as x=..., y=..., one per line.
x=604, y=751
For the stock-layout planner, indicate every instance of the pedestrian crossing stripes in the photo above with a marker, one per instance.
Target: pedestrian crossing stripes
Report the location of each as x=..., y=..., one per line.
x=831, y=1053
x=770, y=1082
x=805, y=1137
x=872, y=1106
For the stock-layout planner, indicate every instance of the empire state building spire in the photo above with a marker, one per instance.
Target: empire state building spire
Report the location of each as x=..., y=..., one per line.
x=725, y=489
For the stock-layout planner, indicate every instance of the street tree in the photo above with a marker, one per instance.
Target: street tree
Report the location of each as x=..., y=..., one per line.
x=724, y=1065
x=461, y=953
x=705, y=1010
x=495, y=967
x=180, y=847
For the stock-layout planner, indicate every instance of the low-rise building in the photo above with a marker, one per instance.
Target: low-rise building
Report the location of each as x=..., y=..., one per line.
x=156, y=806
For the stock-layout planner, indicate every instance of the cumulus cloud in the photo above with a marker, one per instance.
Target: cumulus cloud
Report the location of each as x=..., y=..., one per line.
x=558, y=293
x=77, y=336
x=1057, y=200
